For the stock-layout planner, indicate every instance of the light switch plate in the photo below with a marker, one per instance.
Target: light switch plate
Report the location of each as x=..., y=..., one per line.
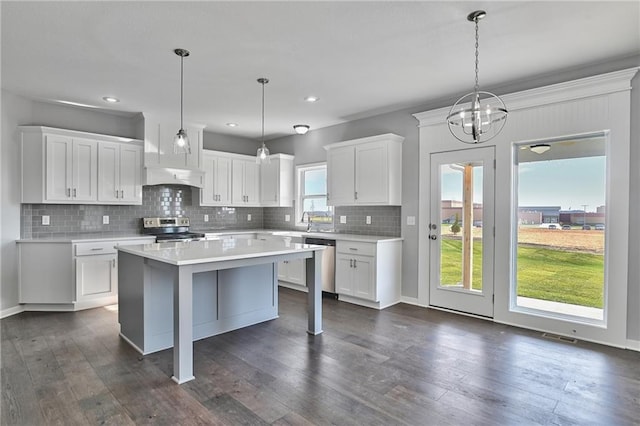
x=249, y=218
x=411, y=220
x=206, y=218
x=287, y=218
x=45, y=220
x=368, y=220
x=105, y=220
x=343, y=219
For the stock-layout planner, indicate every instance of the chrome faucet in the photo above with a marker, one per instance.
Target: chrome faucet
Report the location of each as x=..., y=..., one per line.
x=309, y=221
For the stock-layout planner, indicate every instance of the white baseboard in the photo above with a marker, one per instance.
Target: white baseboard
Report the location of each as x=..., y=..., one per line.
x=633, y=345
x=412, y=301
x=11, y=311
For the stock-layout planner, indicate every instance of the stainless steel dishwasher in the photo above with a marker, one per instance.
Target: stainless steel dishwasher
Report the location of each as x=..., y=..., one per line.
x=328, y=262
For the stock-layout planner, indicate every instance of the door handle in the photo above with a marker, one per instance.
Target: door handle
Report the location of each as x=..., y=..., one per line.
x=433, y=237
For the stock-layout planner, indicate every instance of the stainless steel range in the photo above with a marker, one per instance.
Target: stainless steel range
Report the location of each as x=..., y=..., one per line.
x=169, y=229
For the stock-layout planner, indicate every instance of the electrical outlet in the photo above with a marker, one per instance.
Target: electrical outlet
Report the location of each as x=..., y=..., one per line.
x=287, y=218
x=249, y=218
x=343, y=219
x=45, y=220
x=411, y=220
x=368, y=220
x=105, y=220
x=206, y=218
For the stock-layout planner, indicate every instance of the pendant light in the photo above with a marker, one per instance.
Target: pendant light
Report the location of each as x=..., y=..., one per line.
x=477, y=116
x=181, y=140
x=262, y=156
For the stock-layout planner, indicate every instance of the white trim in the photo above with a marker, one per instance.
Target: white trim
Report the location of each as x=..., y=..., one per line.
x=11, y=311
x=133, y=345
x=612, y=82
x=365, y=303
x=376, y=138
x=633, y=345
x=464, y=314
x=411, y=301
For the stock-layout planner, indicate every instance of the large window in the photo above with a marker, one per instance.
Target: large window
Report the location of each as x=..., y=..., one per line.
x=311, y=203
x=561, y=227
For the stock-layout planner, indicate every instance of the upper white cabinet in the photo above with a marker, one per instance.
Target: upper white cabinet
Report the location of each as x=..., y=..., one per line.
x=366, y=171
x=276, y=181
x=120, y=173
x=216, y=190
x=162, y=165
x=65, y=167
x=245, y=188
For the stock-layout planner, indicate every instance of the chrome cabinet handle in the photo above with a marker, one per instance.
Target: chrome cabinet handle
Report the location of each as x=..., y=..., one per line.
x=353, y=249
x=350, y=263
x=113, y=262
x=97, y=249
x=74, y=192
x=356, y=195
x=68, y=192
x=355, y=265
x=116, y=193
x=121, y=193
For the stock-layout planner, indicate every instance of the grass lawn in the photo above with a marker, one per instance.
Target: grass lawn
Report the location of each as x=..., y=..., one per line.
x=543, y=273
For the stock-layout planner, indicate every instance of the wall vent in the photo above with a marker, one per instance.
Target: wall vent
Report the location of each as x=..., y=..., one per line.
x=558, y=337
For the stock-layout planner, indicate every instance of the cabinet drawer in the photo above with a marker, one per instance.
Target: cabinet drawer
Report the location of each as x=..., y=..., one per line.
x=352, y=247
x=87, y=249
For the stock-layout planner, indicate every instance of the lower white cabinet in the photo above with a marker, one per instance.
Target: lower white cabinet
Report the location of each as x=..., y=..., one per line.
x=369, y=273
x=68, y=276
x=291, y=273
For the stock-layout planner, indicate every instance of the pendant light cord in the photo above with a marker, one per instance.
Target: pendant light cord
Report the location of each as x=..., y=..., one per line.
x=181, y=88
x=263, y=83
x=477, y=86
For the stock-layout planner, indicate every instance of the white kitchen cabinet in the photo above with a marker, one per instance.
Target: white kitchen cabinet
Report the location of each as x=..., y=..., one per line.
x=120, y=172
x=216, y=190
x=71, y=169
x=245, y=182
x=62, y=166
x=276, y=181
x=68, y=275
x=365, y=171
x=369, y=273
x=291, y=273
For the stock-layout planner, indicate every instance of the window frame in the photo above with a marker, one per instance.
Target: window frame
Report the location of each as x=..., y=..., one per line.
x=299, y=201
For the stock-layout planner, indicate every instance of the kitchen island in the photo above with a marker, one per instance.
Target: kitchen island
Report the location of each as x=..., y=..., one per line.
x=171, y=294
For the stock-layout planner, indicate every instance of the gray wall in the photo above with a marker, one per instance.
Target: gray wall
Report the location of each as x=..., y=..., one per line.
x=228, y=143
x=633, y=306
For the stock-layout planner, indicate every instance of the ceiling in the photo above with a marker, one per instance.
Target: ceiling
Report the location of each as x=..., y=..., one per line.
x=360, y=58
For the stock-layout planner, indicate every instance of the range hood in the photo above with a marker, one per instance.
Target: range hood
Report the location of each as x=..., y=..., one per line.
x=154, y=175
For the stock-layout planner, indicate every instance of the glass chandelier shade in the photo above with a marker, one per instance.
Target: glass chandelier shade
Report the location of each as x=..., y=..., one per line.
x=477, y=116
x=262, y=156
x=181, y=143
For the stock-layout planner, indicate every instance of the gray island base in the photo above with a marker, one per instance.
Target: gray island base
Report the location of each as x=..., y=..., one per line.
x=171, y=294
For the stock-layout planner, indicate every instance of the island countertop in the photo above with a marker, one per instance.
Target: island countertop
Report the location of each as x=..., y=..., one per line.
x=195, y=252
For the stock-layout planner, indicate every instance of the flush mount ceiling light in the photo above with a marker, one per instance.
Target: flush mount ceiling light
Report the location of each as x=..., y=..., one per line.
x=540, y=148
x=181, y=140
x=301, y=129
x=232, y=124
x=262, y=156
x=110, y=99
x=312, y=99
x=477, y=116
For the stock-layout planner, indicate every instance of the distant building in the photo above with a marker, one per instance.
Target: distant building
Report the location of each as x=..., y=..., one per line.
x=449, y=209
x=531, y=215
x=579, y=217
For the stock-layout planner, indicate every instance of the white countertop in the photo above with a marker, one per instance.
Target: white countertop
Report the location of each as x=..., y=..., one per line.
x=195, y=252
x=86, y=237
x=325, y=235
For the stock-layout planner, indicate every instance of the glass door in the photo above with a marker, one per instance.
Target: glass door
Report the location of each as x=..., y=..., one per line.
x=461, y=231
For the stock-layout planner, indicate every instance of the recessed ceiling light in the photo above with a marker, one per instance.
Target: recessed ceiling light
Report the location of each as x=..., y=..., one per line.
x=312, y=99
x=232, y=124
x=110, y=99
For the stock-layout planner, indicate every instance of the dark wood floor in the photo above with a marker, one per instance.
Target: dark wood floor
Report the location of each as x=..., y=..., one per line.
x=403, y=365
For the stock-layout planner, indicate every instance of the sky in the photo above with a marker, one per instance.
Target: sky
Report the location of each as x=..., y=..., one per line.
x=568, y=183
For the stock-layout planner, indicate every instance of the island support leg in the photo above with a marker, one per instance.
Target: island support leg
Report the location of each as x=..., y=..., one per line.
x=183, y=325
x=314, y=296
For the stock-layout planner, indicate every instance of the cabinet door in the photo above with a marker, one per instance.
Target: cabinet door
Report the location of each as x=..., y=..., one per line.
x=340, y=176
x=371, y=173
x=363, y=277
x=208, y=192
x=296, y=272
x=344, y=275
x=223, y=181
x=237, y=182
x=108, y=171
x=283, y=270
x=85, y=170
x=96, y=276
x=131, y=174
x=58, y=165
x=269, y=183
x=252, y=182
